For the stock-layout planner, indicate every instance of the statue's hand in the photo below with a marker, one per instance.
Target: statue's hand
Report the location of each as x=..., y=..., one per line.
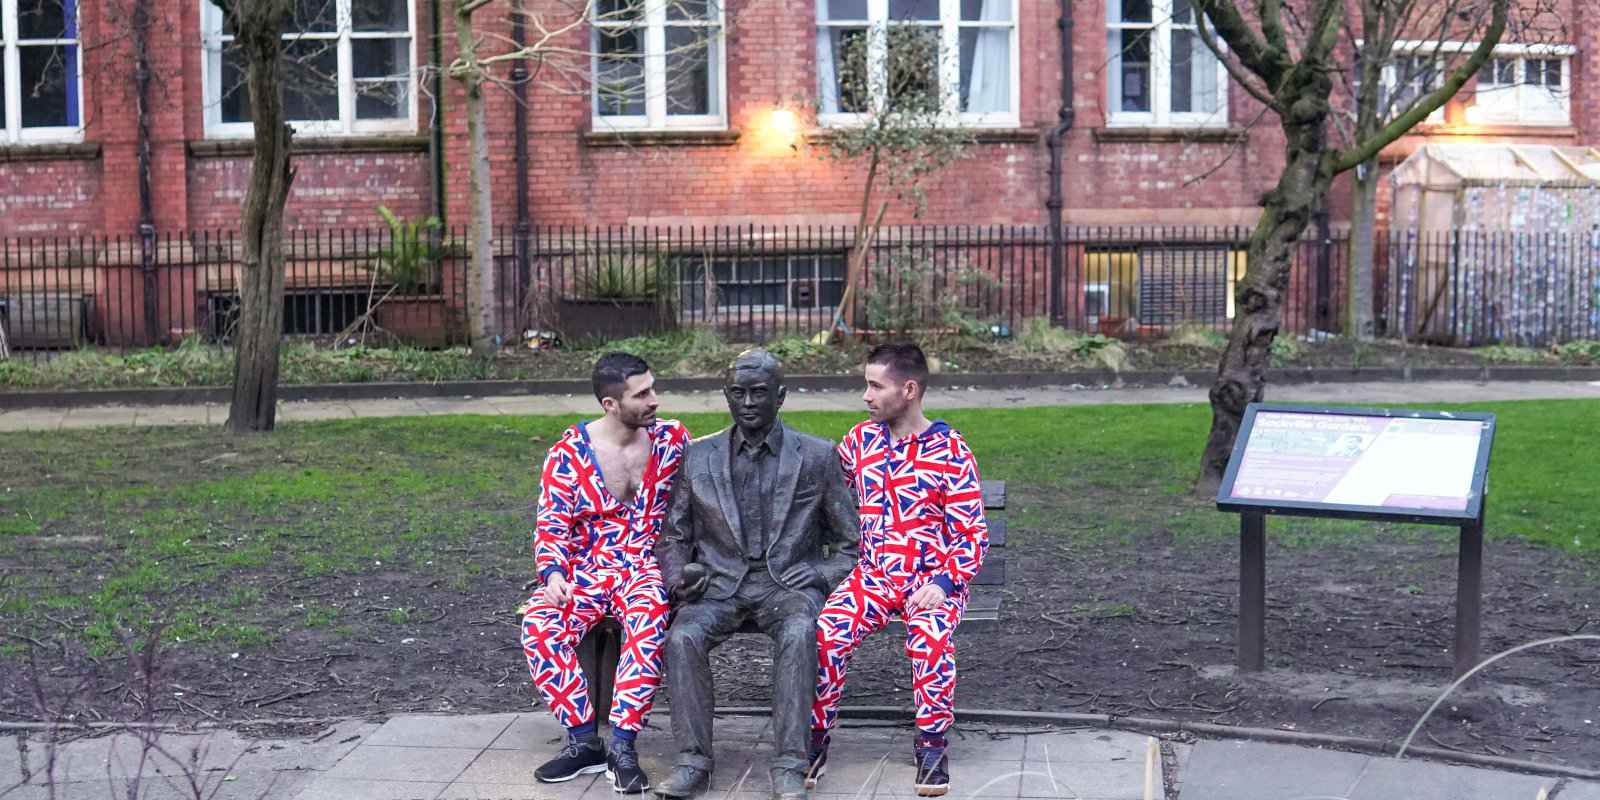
x=693, y=582
x=803, y=574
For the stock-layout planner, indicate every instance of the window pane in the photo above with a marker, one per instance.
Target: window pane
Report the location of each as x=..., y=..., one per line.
x=383, y=99
x=836, y=10
x=772, y=294
x=45, y=19
x=775, y=269
x=911, y=69
x=380, y=58
x=1130, y=70
x=1194, y=74
x=379, y=15
x=235, y=92
x=831, y=266
x=1129, y=11
x=985, y=10
x=842, y=70
x=1495, y=71
x=830, y=293
x=619, y=10
x=914, y=10
x=2, y=92
x=985, y=69
x=49, y=85
x=722, y=271
x=1182, y=12
x=1507, y=69
x=311, y=80
x=619, y=72
x=1552, y=74
x=692, y=59
x=315, y=16
x=691, y=10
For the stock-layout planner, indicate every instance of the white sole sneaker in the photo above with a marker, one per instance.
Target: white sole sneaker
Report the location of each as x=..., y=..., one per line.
x=564, y=778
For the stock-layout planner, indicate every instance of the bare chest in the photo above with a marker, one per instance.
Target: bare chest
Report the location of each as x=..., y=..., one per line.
x=622, y=468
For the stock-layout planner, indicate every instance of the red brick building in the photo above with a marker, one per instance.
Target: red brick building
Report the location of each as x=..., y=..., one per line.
x=1158, y=135
x=1158, y=138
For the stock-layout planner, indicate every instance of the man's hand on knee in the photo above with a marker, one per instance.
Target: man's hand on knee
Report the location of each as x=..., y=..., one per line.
x=557, y=590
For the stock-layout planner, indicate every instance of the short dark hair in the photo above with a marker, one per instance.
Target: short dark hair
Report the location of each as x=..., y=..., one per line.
x=612, y=371
x=904, y=360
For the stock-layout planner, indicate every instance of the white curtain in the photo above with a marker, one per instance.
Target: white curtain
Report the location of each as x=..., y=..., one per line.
x=827, y=77
x=1203, y=76
x=989, y=86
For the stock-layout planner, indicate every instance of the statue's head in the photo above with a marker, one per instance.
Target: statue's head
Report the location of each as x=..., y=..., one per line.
x=753, y=386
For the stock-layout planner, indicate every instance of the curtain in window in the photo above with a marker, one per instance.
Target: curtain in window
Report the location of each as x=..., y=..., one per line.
x=989, y=88
x=827, y=49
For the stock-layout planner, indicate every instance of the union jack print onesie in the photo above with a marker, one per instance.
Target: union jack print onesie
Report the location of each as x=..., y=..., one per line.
x=922, y=522
x=606, y=549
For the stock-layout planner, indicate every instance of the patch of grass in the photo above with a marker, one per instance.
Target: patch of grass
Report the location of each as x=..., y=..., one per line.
x=197, y=542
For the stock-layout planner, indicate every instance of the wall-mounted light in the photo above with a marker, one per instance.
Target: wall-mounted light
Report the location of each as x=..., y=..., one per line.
x=780, y=130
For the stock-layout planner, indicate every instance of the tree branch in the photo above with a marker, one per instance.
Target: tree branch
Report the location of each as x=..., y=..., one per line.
x=1270, y=12
x=1235, y=71
x=1260, y=58
x=1361, y=152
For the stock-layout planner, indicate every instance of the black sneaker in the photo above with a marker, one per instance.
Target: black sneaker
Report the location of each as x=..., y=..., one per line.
x=933, y=772
x=577, y=758
x=818, y=756
x=622, y=769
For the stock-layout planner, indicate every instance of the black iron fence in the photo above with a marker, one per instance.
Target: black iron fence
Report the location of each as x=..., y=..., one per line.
x=748, y=283
x=1492, y=287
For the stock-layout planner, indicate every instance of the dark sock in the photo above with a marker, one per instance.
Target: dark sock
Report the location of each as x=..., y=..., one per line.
x=622, y=738
x=926, y=739
x=584, y=733
x=818, y=737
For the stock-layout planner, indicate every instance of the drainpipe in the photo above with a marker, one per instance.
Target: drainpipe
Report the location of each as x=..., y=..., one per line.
x=436, y=134
x=519, y=88
x=147, y=221
x=1054, y=203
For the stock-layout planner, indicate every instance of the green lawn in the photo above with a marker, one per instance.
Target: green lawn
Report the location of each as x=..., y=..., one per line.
x=195, y=528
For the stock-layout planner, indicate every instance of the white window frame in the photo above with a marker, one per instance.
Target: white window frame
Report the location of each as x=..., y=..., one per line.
x=1160, y=114
x=1520, y=53
x=347, y=125
x=950, y=26
x=655, y=73
x=11, y=130
x=1524, y=108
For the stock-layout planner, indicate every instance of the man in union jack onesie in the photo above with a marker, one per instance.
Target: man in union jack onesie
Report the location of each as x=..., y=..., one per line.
x=603, y=493
x=923, y=539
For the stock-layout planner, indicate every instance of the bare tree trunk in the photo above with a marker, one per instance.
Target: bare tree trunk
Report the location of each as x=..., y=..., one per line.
x=866, y=227
x=255, y=373
x=480, y=272
x=1242, y=371
x=1363, y=229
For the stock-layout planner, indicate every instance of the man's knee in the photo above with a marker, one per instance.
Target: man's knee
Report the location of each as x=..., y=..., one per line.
x=686, y=636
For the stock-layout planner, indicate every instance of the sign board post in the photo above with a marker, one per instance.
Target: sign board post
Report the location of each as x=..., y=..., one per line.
x=1396, y=465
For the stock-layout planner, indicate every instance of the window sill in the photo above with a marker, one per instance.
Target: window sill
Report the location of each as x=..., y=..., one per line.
x=74, y=151
x=979, y=135
x=661, y=138
x=233, y=148
x=1141, y=135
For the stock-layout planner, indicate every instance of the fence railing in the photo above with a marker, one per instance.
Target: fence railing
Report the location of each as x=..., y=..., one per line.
x=1491, y=287
x=749, y=283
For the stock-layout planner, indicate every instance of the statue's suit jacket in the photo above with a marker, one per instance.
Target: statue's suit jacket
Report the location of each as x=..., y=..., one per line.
x=813, y=513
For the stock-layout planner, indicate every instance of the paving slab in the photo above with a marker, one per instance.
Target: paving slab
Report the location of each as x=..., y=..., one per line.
x=1580, y=790
x=99, y=417
x=456, y=405
x=1257, y=771
x=313, y=753
x=429, y=730
x=516, y=791
x=153, y=416
x=309, y=412
x=415, y=764
x=1085, y=746
x=1118, y=781
x=1387, y=778
x=32, y=420
x=387, y=408
x=326, y=788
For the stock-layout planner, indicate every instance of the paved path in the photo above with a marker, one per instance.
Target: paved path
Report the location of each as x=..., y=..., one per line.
x=688, y=402
x=492, y=756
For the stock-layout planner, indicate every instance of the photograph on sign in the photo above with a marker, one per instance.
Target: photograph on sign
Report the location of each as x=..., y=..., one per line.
x=1377, y=462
